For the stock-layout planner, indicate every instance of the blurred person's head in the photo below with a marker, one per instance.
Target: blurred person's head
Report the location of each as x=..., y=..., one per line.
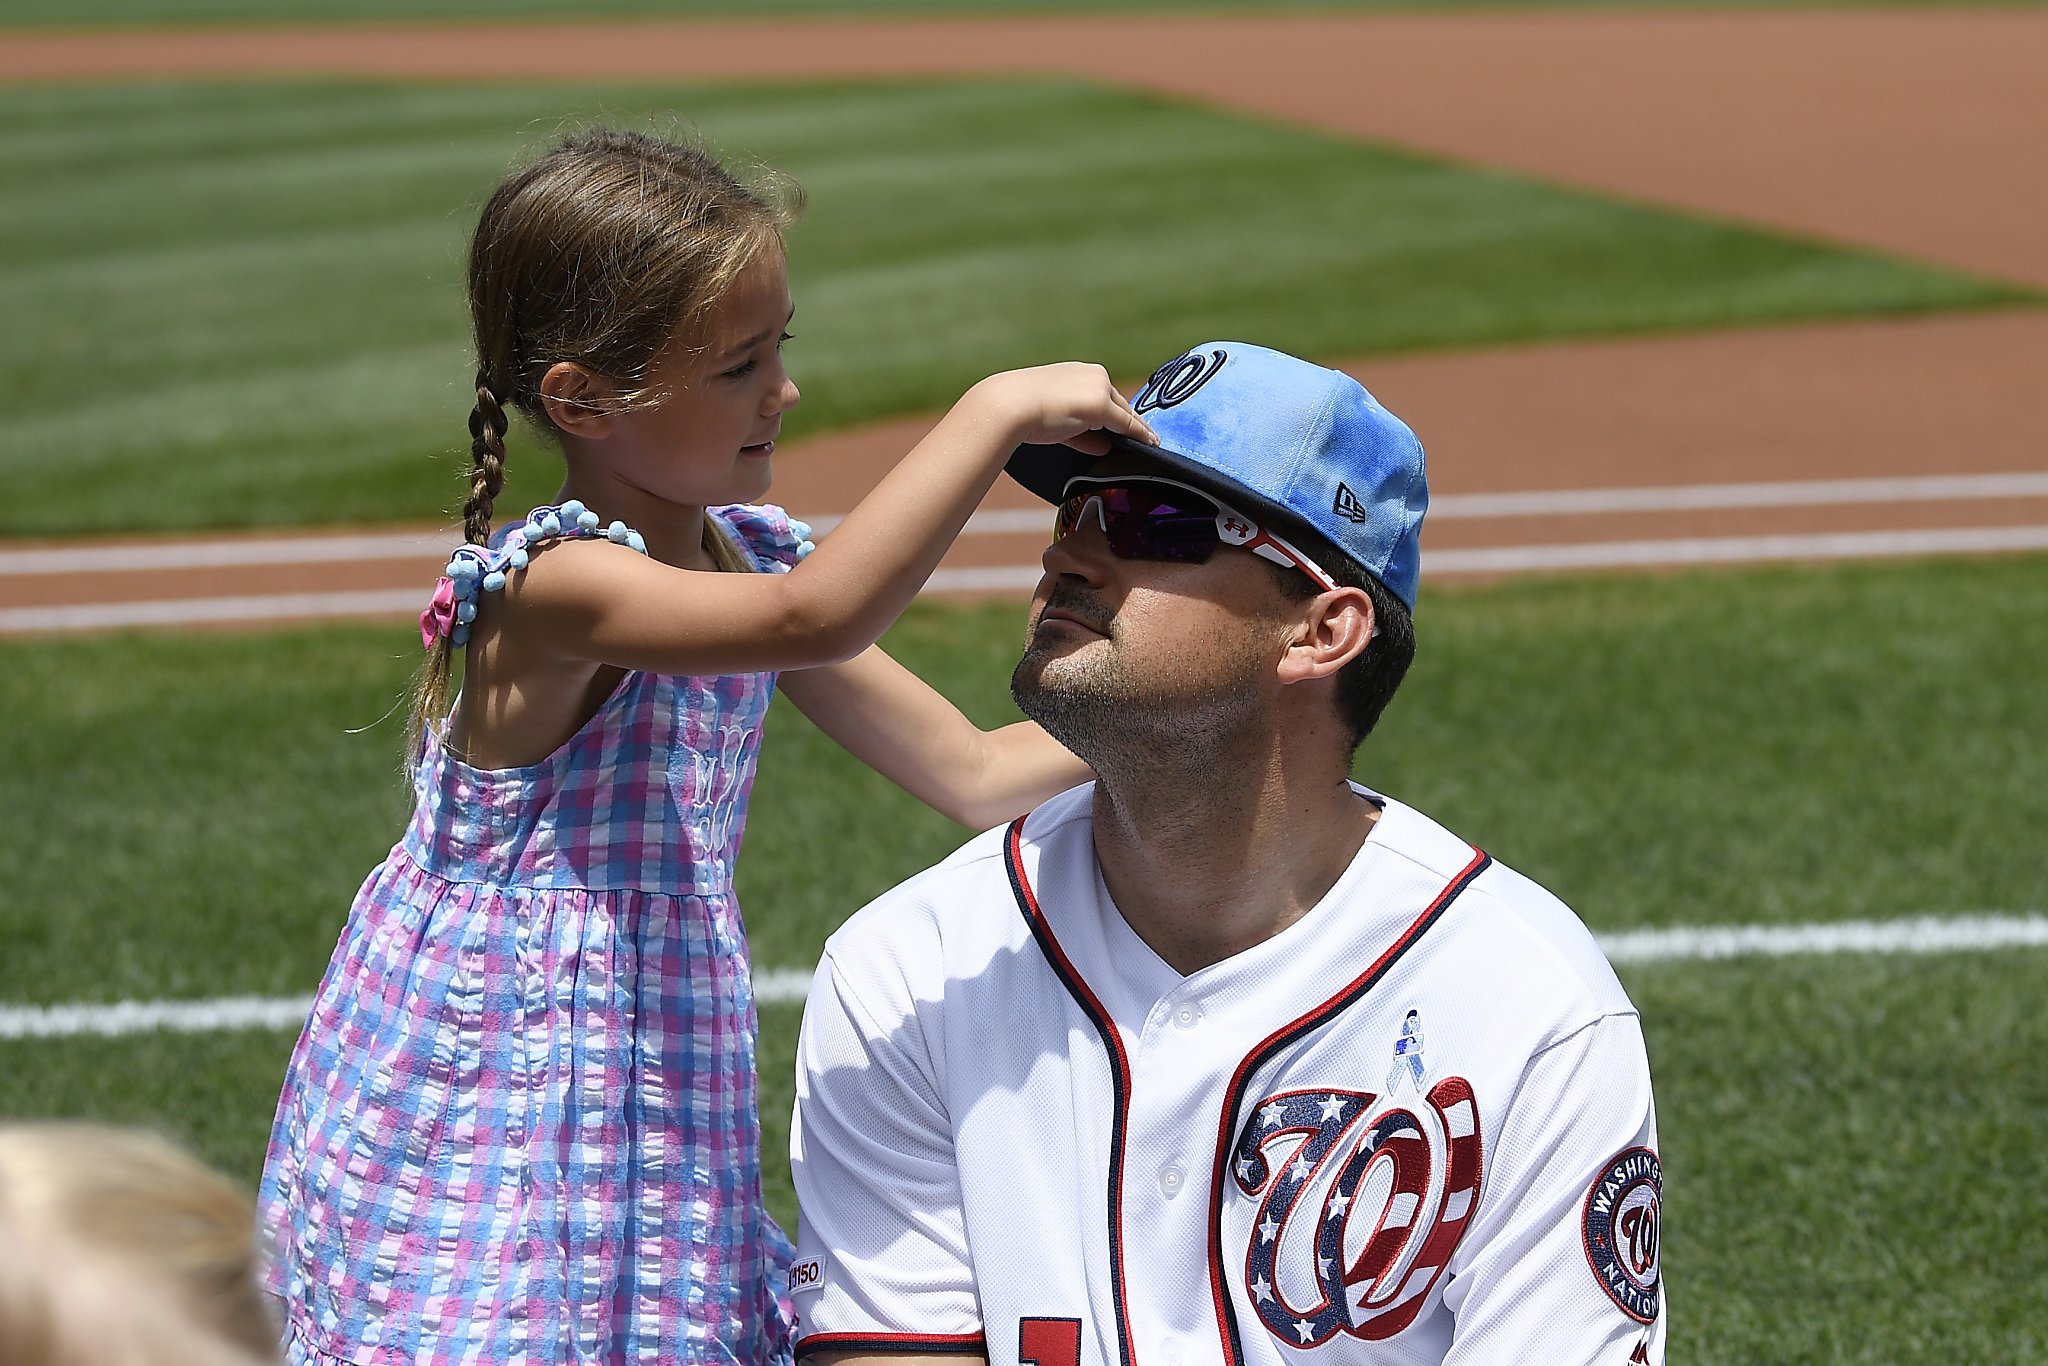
x=116, y=1246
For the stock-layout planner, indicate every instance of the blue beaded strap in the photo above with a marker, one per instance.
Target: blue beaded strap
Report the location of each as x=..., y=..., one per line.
x=802, y=531
x=475, y=569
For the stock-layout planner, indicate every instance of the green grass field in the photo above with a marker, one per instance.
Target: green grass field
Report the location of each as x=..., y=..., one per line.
x=239, y=305
x=1852, y=1143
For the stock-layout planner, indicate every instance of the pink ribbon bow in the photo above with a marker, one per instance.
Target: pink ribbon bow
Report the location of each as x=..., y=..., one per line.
x=439, y=618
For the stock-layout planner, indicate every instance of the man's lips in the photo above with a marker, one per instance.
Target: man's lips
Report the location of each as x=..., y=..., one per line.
x=759, y=448
x=1061, y=612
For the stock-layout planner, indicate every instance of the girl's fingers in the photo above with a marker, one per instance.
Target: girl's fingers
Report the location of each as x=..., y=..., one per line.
x=1062, y=406
x=1130, y=424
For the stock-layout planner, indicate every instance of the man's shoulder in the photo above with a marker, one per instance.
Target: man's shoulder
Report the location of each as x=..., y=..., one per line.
x=1507, y=913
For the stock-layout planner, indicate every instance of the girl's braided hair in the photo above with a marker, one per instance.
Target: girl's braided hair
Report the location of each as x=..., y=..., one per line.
x=607, y=250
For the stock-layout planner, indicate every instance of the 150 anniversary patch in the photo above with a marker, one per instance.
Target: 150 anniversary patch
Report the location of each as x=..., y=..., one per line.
x=1623, y=1223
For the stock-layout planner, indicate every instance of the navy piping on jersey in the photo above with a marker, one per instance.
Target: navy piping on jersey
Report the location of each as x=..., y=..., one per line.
x=1120, y=1066
x=1226, y=1315
x=933, y=1343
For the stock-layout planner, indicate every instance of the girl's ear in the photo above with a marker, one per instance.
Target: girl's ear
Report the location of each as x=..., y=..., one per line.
x=577, y=400
x=1334, y=629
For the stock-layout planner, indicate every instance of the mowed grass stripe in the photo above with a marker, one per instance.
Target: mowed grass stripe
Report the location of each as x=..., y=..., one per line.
x=252, y=290
x=190, y=816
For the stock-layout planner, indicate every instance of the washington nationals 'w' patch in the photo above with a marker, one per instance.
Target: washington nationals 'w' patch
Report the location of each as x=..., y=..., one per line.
x=1623, y=1223
x=1376, y=1193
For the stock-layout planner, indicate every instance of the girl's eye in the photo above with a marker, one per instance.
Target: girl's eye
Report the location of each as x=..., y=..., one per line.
x=746, y=367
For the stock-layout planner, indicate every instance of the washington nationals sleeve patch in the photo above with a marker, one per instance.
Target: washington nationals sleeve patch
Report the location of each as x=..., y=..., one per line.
x=1623, y=1223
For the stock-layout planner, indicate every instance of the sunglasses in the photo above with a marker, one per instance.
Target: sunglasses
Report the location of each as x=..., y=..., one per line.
x=1149, y=518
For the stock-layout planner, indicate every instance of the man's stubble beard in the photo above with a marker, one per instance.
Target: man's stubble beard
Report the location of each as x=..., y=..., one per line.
x=1125, y=731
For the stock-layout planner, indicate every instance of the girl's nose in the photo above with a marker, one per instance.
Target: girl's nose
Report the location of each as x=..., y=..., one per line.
x=783, y=394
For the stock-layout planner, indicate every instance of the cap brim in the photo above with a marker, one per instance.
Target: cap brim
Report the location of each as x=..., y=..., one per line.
x=1046, y=471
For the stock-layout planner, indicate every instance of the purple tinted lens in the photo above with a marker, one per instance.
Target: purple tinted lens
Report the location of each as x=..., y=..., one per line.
x=1144, y=521
x=1152, y=522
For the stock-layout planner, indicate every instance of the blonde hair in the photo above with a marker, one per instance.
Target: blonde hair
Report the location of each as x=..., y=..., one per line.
x=606, y=251
x=119, y=1247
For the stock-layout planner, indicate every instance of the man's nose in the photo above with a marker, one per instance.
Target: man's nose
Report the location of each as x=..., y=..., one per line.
x=1082, y=553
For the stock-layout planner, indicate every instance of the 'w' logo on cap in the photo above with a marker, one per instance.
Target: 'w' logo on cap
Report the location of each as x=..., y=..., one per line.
x=1176, y=381
x=1347, y=505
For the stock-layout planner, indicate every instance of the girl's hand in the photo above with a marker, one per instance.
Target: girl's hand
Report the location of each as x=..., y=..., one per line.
x=1071, y=402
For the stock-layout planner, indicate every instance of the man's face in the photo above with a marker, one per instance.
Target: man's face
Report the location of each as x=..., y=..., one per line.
x=1125, y=657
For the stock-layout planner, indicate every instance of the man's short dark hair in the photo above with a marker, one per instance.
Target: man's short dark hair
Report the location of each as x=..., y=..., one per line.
x=1367, y=683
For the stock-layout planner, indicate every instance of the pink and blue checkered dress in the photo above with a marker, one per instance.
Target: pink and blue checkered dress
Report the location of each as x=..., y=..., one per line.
x=520, y=1126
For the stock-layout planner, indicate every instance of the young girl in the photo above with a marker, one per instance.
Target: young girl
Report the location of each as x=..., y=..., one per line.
x=520, y=1124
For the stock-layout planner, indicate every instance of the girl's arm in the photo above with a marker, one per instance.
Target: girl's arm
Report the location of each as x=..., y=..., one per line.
x=898, y=725
x=600, y=603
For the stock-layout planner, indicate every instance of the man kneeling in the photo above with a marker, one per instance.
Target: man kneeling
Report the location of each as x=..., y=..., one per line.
x=1224, y=1058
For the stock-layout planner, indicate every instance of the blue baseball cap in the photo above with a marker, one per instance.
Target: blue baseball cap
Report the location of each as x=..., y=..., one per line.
x=1304, y=449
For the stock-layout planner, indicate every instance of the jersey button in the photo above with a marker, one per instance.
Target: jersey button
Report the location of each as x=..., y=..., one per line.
x=1186, y=1015
x=1170, y=1353
x=1171, y=1178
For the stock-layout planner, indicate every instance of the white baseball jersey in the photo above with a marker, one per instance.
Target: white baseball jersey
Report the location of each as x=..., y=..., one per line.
x=1414, y=1126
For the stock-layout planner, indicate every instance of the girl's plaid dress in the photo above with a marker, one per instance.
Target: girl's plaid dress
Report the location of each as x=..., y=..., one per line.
x=520, y=1125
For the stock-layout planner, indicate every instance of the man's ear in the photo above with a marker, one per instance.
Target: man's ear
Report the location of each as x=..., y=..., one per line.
x=577, y=400
x=1333, y=629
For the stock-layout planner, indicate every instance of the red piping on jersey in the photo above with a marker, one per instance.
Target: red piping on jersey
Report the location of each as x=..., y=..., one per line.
x=1233, y=1096
x=1112, y=1043
x=892, y=1342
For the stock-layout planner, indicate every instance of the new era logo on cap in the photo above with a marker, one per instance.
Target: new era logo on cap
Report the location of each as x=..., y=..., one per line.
x=1296, y=446
x=1347, y=506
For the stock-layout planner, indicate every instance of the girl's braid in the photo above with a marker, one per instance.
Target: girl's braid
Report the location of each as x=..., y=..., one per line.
x=487, y=454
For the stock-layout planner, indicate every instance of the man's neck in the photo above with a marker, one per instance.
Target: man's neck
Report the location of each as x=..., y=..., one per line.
x=1205, y=867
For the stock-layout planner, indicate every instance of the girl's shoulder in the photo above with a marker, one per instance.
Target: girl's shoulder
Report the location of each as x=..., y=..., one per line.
x=477, y=569
x=774, y=539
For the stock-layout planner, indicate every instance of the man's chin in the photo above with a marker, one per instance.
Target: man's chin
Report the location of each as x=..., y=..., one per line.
x=1034, y=693
x=1068, y=701
x=1027, y=680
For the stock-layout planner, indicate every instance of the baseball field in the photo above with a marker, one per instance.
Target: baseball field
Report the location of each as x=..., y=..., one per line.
x=1723, y=326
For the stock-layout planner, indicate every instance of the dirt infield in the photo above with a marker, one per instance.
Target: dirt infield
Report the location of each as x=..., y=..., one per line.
x=1910, y=132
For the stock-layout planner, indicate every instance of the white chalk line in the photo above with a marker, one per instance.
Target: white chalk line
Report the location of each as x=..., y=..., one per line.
x=1920, y=934
x=1023, y=577
x=315, y=548
x=1734, y=549
x=786, y=986
x=94, y=616
x=1707, y=497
